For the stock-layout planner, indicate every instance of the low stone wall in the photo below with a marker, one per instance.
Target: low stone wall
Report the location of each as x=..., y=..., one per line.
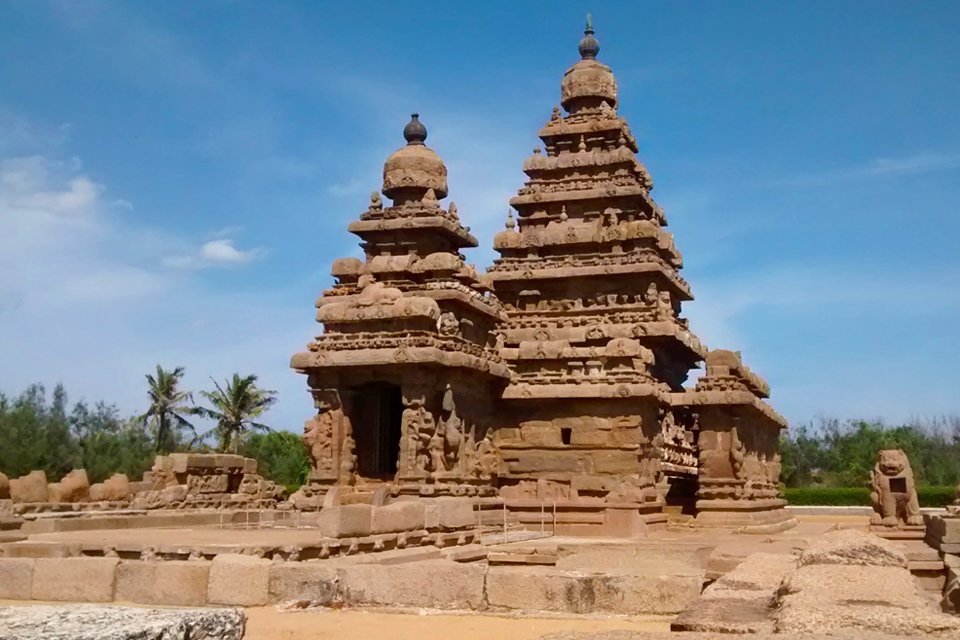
x=239, y=580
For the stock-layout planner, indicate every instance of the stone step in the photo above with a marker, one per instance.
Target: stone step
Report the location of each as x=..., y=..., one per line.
x=507, y=558
x=466, y=553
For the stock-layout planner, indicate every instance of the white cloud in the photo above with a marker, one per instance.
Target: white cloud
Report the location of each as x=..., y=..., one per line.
x=920, y=163
x=85, y=300
x=215, y=253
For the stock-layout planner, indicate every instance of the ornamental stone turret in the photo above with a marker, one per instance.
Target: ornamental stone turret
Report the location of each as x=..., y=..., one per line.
x=406, y=370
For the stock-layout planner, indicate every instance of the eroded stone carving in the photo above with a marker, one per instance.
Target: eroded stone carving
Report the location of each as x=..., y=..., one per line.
x=893, y=493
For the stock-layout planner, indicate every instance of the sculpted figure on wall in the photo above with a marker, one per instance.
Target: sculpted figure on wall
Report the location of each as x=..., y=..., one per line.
x=893, y=493
x=419, y=434
x=321, y=431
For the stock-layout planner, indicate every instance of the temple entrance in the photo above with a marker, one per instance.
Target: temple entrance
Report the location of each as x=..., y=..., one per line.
x=378, y=412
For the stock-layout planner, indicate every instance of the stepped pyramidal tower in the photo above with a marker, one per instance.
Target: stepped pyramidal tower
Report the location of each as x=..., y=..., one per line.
x=553, y=385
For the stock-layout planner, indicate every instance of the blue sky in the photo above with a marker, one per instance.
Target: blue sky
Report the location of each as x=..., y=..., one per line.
x=176, y=178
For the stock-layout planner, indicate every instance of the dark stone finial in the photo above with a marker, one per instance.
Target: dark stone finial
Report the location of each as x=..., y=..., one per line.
x=589, y=46
x=415, y=132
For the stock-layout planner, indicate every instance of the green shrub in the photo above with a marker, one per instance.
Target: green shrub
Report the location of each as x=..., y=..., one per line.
x=860, y=496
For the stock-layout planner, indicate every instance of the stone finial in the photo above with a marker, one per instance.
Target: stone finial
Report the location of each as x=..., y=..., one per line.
x=414, y=168
x=452, y=210
x=583, y=145
x=415, y=132
x=555, y=115
x=563, y=213
x=510, y=223
x=589, y=45
x=376, y=203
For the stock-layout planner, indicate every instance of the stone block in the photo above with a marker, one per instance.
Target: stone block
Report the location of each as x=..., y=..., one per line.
x=172, y=582
x=619, y=462
x=114, y=488
x=73, y=487
x=316, y=583
x=452, y=513
x=545, y=589
x=105, y=622
x=396, y=517
x=16, y=578
x=74, y=579
x=540, y=433
x=436, y=584
x=29, y=488
x=31, y=549
x=853, y=547
x=346, y=521
x=238, y=580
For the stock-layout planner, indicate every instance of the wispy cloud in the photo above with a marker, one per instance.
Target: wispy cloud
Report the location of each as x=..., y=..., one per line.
x=215, y=253
x=920, y=163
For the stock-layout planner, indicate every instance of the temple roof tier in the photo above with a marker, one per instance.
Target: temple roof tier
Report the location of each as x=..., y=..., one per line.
x=696, y=398
x=449, y=230
x=518, y=270
x=584, y=189
x=400, y=351
x=585, y=390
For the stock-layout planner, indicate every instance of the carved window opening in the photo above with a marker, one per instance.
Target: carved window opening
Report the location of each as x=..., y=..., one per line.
x=565, y=434
x=378, y=409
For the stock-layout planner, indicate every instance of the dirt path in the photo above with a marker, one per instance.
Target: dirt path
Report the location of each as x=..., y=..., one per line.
x=267, y=623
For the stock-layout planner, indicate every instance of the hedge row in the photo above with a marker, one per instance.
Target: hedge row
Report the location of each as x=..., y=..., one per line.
x=860, y=496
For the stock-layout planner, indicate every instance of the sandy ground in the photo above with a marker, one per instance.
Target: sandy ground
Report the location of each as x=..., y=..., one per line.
x=271, y=623
x=268, y=623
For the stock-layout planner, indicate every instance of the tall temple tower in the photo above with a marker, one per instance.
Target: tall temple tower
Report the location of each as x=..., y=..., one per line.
x=595, y=416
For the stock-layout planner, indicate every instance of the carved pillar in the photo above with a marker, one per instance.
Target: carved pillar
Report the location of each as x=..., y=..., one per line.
x=416, y=429
x=323, y=436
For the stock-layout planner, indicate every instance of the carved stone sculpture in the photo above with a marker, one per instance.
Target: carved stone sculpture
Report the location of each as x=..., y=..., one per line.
x=893, y=493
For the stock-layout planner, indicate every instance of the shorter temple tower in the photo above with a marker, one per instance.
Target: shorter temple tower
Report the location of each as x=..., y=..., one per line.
x=405, y=375
x=739, y=474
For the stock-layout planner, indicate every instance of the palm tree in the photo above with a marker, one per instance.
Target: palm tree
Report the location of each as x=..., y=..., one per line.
x=168, y=406
x=235, y=407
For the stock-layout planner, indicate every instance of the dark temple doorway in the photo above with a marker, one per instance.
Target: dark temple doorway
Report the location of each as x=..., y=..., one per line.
x=376, y=429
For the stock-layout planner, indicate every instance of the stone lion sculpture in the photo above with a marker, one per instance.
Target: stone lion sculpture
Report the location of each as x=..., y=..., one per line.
x=893, y=493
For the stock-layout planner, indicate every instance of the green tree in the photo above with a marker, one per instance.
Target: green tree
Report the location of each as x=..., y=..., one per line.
x=109, y=444
x=235, y=407
x=280, y=456
x=34, y=434
x=168, y=406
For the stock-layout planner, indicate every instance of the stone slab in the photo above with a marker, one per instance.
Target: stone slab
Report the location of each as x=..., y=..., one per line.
x=435, y=584
x=16, y=578
x=315, y=583
x=171, y=582
x=451, y=513
x=74, y=579
x=238, y=580
x=544, y=589
x=90, y=622
x=397, y=517
x=345, y=521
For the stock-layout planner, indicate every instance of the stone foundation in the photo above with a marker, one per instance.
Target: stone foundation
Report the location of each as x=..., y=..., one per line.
x=242, y=580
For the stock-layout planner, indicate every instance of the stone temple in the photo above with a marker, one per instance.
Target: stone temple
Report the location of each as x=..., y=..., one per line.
x=551, y=386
